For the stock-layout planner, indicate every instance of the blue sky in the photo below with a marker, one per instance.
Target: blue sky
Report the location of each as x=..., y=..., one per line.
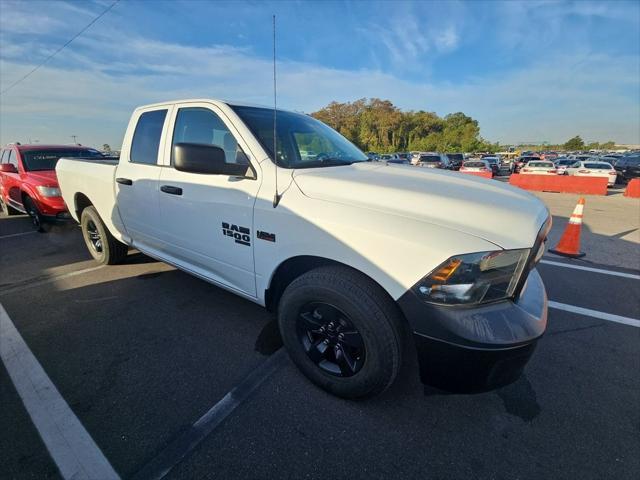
x=527, y=71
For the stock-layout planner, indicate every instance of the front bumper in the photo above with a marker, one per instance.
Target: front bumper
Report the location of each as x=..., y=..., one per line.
x=60, y=218
x=467, y=349
x=54, y=211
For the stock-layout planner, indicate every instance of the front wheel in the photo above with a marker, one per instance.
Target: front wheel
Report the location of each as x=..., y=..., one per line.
x=342, y=331
x=36, y=217
x=103, y=246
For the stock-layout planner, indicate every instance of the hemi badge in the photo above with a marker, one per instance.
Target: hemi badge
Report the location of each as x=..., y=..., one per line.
x=269, y=237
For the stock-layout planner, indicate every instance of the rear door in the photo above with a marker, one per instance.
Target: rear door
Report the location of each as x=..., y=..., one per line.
x=208, y=219
x=137, y=174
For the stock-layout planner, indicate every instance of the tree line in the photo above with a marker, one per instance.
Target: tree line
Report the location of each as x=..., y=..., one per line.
x=576, y=143
x=378, y=125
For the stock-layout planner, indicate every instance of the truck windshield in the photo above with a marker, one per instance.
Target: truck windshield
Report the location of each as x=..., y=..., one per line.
x=302, y=141
x=38, y=160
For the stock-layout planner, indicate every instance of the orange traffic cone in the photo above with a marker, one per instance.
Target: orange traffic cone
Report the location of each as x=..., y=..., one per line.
x=569, y=244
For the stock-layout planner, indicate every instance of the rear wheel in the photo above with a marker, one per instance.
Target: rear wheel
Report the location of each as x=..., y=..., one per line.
x=342, y=331
x=36, y=217
x=103, y=246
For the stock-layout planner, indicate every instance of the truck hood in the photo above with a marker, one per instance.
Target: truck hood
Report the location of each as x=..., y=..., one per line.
x=506, y=216
x=44, y=177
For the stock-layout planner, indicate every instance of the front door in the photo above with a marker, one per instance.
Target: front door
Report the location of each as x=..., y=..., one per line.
x=208, y=219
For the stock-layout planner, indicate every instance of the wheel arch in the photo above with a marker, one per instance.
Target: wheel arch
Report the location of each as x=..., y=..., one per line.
x=81, y=201
x=291, y=268
x=28, y=193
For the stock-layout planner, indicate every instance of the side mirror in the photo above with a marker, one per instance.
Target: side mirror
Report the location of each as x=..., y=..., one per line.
x=8, y=168
x=205, y=159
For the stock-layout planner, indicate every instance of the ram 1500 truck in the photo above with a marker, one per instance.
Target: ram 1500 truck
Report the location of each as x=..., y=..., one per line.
x=354, y=257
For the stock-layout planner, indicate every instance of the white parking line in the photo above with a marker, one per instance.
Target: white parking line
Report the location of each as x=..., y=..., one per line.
x=69, y=444
x=591, y=269
x=17, y=234
x=595, y=314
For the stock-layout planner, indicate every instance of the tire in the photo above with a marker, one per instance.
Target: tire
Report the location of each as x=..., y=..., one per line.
x=357, y=304
x=37, y=220
x=7, y=210
x=103, y=246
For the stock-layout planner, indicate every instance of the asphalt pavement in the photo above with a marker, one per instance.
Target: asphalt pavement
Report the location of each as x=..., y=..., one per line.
x=140, y=352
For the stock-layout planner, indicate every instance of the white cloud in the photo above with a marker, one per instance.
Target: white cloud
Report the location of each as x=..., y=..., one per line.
x=446, y=39
x=91, y=88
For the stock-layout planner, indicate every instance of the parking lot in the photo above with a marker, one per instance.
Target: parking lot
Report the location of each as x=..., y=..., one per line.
x=145, y=356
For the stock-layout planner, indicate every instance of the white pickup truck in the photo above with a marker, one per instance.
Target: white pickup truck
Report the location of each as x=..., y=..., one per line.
x=355, y=257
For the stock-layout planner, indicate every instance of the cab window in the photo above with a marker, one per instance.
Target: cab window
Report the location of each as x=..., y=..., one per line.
x=13, y=158
x=202, y=126
x=146, y=138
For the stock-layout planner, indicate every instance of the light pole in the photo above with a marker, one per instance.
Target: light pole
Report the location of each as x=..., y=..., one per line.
x=74, y=139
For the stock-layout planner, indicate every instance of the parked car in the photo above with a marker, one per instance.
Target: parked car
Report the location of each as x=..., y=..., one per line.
x=431, y=160
x=351, y=256
x=628, y=168
x=455, y=160
x=561, y=164
x=518, y=163
x=477, y=166
x=592, y=169
x=582, y=157
x=612, y=159
x=540, y=167
x=549, y=156
x=399, y=161
x=494, y=163
x=28, y=182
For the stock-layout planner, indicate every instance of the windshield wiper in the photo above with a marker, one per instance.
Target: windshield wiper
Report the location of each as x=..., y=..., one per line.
x=325, y=162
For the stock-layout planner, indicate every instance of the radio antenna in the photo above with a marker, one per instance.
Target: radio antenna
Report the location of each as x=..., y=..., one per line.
x=276, y=197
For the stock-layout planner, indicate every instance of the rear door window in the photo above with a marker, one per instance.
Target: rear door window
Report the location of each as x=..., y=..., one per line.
x=146, y=138
x=5, y=154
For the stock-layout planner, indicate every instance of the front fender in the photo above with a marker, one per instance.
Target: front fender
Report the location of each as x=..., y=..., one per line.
x=394, y=251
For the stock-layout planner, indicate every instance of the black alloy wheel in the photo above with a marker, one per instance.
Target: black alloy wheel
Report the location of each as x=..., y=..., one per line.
x=330, y=340
x=102, y=246
x=34, y=214
x=94, y=236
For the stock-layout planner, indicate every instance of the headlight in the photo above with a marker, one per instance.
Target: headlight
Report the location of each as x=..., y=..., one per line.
x=474, y=278
x=49, y=191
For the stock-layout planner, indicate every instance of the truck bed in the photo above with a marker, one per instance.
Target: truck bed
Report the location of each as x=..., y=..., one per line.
x=94, y=179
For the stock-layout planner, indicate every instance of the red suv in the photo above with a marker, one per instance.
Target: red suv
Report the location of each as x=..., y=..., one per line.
x=28, y=182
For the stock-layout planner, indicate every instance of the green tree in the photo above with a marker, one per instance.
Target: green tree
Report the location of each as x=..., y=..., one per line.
x=575, y=143
x=378, y=125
